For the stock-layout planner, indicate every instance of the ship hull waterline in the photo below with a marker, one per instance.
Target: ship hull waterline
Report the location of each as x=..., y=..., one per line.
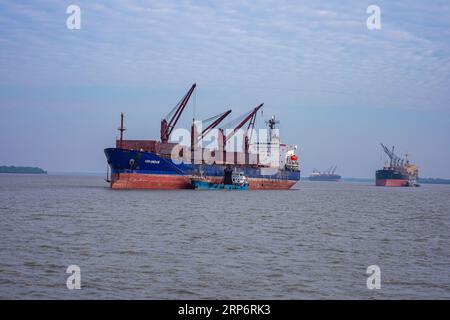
x=391, y=182
x=149, y=171
x=171, y=182
x=391, y=178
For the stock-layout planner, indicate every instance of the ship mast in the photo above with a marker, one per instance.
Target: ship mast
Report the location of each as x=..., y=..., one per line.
x=121, y=129
x=271, y=124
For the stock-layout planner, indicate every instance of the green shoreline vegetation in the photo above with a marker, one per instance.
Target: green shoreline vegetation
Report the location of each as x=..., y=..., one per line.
x=14, y=169
x=434, y=181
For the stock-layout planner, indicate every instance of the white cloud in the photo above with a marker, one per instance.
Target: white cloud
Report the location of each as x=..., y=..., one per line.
x=319, y=51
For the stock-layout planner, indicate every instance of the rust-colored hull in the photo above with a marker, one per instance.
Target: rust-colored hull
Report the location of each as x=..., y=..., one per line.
x=170, y=181
x=267, y=184
x=391, y=182
x=150, y=181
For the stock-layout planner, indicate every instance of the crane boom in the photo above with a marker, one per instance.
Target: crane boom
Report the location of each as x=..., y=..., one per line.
x=394, y=159
x=218, y=119
x=167, y=125
x=251, y=116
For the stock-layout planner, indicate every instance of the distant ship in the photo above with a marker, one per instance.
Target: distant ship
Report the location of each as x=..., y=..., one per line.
x=399, y=172
x=328, y=175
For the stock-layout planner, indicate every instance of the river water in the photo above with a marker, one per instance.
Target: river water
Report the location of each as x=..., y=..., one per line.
x=314, y=242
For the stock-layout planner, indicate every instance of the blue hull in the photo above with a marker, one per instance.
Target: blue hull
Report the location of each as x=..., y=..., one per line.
x=122, y=161
x=204, y=185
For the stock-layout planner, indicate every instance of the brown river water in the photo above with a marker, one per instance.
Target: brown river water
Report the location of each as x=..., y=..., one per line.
x=313, y=242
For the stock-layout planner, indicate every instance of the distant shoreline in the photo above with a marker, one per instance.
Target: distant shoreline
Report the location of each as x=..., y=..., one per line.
x=434, y=181
x=25, y=170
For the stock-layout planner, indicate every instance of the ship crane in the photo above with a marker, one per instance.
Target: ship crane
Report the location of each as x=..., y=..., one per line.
x=170, y=121
x=328, y=171
x=251, y=118
x=216, y=120
x=250, y=127
x=394, y=159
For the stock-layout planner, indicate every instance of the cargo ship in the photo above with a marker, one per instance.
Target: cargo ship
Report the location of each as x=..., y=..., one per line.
x=328, y=175
x=398, y=172
x=161, y=164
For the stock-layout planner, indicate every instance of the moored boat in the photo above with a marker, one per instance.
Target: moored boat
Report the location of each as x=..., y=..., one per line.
x=233, y=180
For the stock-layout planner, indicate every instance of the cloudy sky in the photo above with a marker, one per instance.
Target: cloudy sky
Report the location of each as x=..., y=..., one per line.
x=338, y=88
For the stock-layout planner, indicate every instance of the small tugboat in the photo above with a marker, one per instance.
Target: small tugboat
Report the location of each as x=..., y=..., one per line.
x=233, y=180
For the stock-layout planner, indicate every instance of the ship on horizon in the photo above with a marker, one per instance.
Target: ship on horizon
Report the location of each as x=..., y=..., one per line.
x=151, y=164
x=327, y=175
x=398, y=172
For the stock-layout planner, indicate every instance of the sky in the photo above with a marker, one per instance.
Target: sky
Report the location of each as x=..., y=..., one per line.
x=338, y=88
